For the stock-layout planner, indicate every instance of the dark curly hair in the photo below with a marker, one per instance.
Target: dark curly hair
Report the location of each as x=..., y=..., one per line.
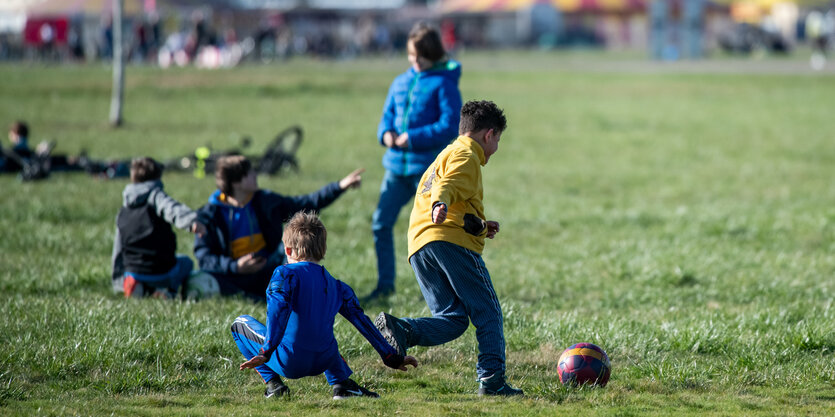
x=478, y=115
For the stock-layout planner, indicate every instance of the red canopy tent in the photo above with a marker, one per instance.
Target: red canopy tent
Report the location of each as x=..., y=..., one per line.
x=45, y=30
x=47, y=21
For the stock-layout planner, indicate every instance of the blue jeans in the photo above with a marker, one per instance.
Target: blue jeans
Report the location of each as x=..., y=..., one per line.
x=395, y=192
x=457, y=289
x=172, y=279
x=291, y=363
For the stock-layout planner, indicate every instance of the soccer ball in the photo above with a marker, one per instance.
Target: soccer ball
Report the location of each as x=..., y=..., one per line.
x=201, y=285
x=584, y=363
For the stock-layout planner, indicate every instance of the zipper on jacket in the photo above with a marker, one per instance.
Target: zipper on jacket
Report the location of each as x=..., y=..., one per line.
x=405, y=124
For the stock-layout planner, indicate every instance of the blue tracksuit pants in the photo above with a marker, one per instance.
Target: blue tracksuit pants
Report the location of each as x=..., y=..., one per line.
x=457, y=289
x=172, y=279
x=249, y=335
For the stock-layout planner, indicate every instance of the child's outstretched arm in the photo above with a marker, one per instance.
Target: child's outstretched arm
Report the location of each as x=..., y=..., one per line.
x=352, y=311
x=173, y=211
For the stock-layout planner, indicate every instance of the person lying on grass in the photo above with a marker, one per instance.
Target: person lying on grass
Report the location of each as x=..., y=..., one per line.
x=302, y=302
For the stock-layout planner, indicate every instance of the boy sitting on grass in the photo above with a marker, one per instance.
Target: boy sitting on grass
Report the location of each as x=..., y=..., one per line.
x=241, y=247
x=144, y=248
x=302, y=302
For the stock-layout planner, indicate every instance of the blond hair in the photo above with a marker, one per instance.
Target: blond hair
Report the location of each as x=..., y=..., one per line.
x=307, y=236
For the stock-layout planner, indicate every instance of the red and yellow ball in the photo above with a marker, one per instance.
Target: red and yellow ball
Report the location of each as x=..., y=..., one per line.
x=584, y=363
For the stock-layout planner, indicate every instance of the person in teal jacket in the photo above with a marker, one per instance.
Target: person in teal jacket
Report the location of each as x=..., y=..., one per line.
x=420, y=118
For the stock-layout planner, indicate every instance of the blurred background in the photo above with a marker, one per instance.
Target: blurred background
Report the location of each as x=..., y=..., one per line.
x=224, y=33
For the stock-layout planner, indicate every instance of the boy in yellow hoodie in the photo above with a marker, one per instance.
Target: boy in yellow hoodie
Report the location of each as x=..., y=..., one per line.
x=446, y=237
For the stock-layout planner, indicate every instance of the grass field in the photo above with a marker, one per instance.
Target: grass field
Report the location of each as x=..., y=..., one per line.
x=682, y=220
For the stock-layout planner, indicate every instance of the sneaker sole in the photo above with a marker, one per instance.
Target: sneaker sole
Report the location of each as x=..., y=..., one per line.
x=345, y=397
x=386, y=327
x=485, y=393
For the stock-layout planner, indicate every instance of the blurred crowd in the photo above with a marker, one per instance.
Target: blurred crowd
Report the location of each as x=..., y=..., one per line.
x=817, y=29
x=208, y=40
x=211, y=38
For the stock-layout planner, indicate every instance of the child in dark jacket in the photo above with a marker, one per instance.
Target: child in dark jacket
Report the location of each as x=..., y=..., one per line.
x=420, y=118
x=244, y=226
x=302, y=302
x=144, y=248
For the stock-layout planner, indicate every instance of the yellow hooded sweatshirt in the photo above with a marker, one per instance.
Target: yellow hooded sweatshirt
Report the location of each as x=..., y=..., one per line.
x=454, y=179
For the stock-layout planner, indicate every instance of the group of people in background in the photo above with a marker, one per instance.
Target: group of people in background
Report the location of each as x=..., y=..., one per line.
x=38, y=163
x=435, y=148
x=195, y=38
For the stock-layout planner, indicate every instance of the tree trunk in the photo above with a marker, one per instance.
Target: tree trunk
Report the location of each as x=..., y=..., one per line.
x=117, y=96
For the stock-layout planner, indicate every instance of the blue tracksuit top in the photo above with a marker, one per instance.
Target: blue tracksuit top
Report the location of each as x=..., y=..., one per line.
x=427, y=105
x=302, y=302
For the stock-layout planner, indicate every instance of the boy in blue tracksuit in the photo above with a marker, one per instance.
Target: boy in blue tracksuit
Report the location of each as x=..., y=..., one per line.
x=420, y=118
x=302, y=302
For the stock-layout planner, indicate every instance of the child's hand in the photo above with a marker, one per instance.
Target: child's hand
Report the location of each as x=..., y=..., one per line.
x=439, y=213
x=402, y=141
x=250, y=264
x=353, y=180
x=255, y=361
x=388, y=139
x=492, y=229
x=408, y=360
x=399, y=362
x=198, y=229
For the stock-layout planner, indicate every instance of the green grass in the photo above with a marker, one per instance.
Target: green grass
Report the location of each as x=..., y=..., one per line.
x=682, y=220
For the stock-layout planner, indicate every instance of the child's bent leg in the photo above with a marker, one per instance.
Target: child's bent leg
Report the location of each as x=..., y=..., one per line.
x=171, y=280
x=338, y=371
x=449, y=317
x=252, y=286
x=474, y=287
x=249, y=336
x=180, y=272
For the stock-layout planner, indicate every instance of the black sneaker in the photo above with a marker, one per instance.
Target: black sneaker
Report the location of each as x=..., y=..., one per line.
x=394, y=330
x=276, y=388
x=348, y=388
x=496, y=385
